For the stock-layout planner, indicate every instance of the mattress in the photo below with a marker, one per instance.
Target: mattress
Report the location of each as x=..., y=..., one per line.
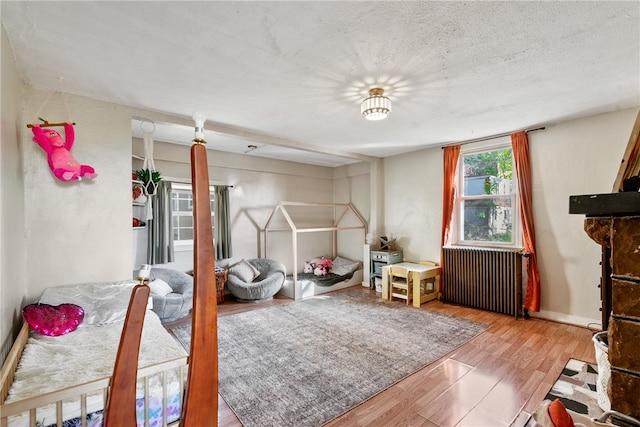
x=326, y=280
x=311, y=287
x=52, y=363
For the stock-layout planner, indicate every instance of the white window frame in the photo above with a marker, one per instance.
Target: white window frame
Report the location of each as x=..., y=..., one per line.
x=457, y=219
x=187, y=245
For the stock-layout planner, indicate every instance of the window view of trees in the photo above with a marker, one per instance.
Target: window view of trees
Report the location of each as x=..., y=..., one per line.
x=486, y=205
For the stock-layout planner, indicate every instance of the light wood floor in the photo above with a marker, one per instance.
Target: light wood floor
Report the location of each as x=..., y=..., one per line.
x=495, y=380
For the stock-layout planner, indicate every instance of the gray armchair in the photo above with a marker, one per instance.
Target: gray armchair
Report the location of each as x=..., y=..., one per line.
x=179, y=302
x=261, y=288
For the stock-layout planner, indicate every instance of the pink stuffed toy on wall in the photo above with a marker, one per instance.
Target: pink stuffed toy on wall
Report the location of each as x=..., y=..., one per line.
x=61, y=162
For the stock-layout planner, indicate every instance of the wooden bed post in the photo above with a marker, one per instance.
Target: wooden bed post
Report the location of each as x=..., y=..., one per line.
x=121, y=406
x=201, y=397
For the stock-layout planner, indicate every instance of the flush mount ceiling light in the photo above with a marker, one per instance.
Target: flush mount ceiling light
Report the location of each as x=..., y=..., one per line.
x=376, y=106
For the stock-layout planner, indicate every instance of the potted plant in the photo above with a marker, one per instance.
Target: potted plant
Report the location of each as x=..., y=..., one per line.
x=149, y=178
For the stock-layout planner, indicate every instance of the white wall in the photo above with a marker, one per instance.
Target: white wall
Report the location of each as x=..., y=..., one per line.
x=81, y=231
x=258, y=185
x=352, y=185
x=78, y=232
x=12, y=249
x=413, y=203
x=55, y=233
x=575, y=157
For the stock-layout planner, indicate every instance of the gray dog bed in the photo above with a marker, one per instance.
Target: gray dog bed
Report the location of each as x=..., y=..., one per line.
x=258, y=284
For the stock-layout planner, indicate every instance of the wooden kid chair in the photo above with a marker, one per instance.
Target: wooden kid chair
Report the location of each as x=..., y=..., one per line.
x=400, y=283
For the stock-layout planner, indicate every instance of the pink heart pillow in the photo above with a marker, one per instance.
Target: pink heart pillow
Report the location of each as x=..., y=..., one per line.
x=52, y=320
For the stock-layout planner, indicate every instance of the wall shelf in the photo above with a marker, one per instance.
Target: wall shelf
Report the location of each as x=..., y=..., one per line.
x=138, y=210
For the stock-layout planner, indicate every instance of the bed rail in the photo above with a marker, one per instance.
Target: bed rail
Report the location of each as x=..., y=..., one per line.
x=11, y=363
x=82, y=391
x=121, y=402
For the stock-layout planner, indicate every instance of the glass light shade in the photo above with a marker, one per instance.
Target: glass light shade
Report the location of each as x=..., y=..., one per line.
x=144, y=273
x=199, y=118
x=377, y=106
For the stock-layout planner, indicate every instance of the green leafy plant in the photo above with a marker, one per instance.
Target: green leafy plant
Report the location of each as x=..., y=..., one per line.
x=149, y=178
x=145, y=175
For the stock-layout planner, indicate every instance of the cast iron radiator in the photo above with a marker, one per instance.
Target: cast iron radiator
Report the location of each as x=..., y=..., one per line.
x=488, y=279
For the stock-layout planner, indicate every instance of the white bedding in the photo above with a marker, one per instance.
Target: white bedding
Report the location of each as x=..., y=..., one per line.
x=103, y=303
x=53, y=363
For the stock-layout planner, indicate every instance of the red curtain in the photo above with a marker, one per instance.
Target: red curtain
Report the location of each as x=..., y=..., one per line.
x=450, y=162
x=520, y=145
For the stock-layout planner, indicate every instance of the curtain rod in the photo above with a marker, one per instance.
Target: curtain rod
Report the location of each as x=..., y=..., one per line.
x=487, y=138
x=188, y=181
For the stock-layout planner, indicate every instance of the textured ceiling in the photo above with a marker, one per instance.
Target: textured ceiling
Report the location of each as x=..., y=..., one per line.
x=294, y=73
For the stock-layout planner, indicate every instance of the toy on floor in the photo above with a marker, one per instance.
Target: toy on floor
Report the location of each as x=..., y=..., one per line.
x=61, y=162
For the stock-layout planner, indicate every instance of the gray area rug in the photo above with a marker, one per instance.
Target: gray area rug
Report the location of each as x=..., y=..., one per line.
x=305, y=363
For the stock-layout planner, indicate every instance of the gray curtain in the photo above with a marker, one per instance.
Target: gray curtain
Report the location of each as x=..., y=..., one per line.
x=160, y=241
x=222, y=228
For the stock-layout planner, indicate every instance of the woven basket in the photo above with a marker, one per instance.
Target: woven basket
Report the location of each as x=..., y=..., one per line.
x=604, y=370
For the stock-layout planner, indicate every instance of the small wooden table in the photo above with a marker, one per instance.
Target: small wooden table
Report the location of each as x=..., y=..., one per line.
x=221, y=281
x=419, y=273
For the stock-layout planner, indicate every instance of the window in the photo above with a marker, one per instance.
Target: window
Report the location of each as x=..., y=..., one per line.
x=182, y=213
x=487, y=208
